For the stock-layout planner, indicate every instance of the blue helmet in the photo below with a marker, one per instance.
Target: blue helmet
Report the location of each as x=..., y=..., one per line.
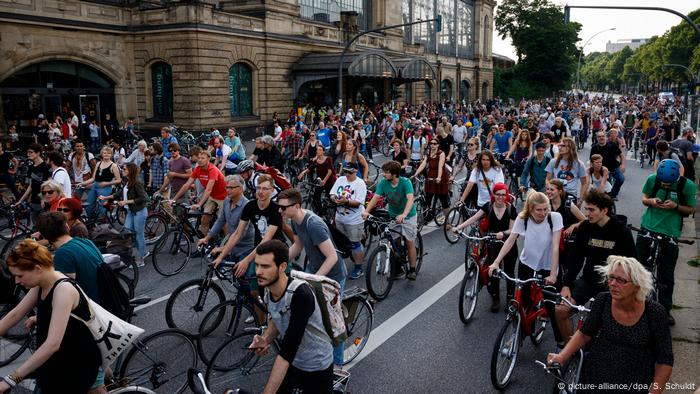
x=668, y=171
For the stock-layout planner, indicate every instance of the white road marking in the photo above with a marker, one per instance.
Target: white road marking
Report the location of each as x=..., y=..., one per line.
x=403, y=317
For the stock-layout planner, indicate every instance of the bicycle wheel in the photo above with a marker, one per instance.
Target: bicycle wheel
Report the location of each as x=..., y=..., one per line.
x=538, y=331
x=223, y=322
x=469, y=290
x=378, y=272
x=172, y=252
x=367, y=236
x=419, y=252
x=160, y=361
x=129, y=277
x=359, y=326
x=14, y=342
x=189, y=303
x=420, y=215
x=156, y=226
x=452, y=220
x=505, y=352
x=237, y=367
x=132, y=390
x=570, y=372
x=11, y=244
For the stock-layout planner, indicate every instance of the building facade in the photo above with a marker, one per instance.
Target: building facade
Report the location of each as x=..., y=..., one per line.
x=208, y=63
x=633, y=43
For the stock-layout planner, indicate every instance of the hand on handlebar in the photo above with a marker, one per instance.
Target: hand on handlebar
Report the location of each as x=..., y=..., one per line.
x=555, y=358
x=240, y=268
x=365, y=215
x=566, y=292
x=550, y=280
x=493, y=268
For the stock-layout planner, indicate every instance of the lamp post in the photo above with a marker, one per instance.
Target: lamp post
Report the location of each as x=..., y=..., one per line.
x=578, y=68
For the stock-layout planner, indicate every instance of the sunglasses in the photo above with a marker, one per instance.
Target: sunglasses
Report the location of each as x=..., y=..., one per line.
x=284, y=207
x=64, y=209
x=434, y=143
x=233, y=187
x=471, y=144
x=48, y=192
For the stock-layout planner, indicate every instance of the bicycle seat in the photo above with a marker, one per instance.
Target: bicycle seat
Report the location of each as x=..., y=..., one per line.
x=139, y=301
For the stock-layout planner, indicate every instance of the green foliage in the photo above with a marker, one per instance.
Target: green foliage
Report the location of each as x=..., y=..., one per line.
x=545, y=46
x=510, y=83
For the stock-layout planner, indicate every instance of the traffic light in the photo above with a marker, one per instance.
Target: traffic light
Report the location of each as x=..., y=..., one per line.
x=567, y=14
x=438, y=24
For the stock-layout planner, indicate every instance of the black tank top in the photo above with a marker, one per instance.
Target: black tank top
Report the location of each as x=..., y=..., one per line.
x=104, y=174
x=73, y=368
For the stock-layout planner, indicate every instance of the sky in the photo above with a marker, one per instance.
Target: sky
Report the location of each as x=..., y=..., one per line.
x=627, y=23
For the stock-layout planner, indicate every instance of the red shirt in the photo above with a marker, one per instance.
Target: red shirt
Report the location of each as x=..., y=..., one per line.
x=214, y=174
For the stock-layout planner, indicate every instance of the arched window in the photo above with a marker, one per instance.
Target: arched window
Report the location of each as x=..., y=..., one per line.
x=428, y=91
x=162, y=90
x=464, y=91
x=240, y=90
x=446, y=90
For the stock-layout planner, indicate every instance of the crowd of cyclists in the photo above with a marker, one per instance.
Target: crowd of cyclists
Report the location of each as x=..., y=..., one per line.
x=309, y=189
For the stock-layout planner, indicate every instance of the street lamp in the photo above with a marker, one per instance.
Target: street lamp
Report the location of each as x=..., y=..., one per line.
x=578, y=68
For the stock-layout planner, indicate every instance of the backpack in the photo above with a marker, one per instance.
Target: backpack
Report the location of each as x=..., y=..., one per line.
x=680, y=185
x=547, y=159
x=327, y=293
x=681, y=157
x=113, y=297
x=109, y=240
x=342, y=243
x=280, y=180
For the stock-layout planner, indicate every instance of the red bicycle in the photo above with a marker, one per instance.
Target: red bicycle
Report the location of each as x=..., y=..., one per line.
x=476, y=272
x=520, y=322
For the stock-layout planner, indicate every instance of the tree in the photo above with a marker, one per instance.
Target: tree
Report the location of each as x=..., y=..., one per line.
x=545, y=45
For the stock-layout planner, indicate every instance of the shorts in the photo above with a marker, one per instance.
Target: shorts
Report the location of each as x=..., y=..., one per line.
x=213, y=205
x=354, y=232
x=582, y=291
x=409, y=228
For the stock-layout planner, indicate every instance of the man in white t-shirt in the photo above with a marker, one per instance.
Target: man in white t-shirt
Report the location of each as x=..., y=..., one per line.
x=416, y=145
x=459, y=133
x=349, y=192
x=58, y=173
x=222, y=152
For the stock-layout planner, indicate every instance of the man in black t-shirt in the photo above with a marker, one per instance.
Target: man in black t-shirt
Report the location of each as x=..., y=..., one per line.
x=559, y=129
x=8, y=169
x=611, y=154
x=266, y=153
x=38, y=173
x=110, y=130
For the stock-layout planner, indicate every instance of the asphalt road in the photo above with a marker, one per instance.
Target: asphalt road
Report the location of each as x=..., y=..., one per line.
x=418, y=343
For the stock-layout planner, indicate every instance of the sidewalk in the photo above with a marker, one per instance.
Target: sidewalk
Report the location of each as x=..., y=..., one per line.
x=686, y=310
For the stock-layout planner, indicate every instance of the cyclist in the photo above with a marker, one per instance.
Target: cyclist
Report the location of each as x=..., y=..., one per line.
x=559, y=129
x=502, y=140
x=312, y=235
x=179, y=171
x=67, y=358
x=415, y=144
x=322, y=166
x=485, y=174
x=398, y=192
x=629, y=342
x=398, y=154
x=597, y=238
x=214, y=188
x=520, y=151
x=105, y=175
x=72, y=209
x=305, y=359
x=497, y=217
x=437, y=182
x=613, y=160
x=668, y=198
x=59, y=173
x=352, y=155
x=252, y=178
x=599, y=175
x=166, y=139
x=266, y=153
x=349, y=193
x=460, y=135
x=37, y=174
x=234, y=142
x=534, y=175
x=82, y=164
x=230, y=216
x=541, y=229
x=569, y=169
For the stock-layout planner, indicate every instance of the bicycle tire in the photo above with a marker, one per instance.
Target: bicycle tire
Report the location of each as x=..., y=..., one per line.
x=469, y=290
x=419, y=252
x=186, y=299
x=13, y=343
x=6, y=231
x=420, y=215
x=358, y=329
x=211, y=333
x=570, y=372
x=366, y=236
x=243, y=369
x=452, y=220
x=11, y=244
x=165, y=364
x=505, y=349
x=129, y=277
x=379, y=286
x=132, y=390
x=537, y=336
x=175, y=248
x=155, y=227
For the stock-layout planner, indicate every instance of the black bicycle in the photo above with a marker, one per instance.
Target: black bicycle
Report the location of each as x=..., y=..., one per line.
x=174, y=249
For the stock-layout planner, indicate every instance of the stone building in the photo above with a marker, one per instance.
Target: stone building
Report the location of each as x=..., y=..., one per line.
x=204, y=63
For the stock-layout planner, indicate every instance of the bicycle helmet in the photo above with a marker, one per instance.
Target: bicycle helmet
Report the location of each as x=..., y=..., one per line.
x=246, y=165
x=668, y=171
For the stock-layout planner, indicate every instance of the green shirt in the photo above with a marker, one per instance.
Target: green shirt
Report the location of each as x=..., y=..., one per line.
x=80, y=257
x=396, y=196
x=666, y=221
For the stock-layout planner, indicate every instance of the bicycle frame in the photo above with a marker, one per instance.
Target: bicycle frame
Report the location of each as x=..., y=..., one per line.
x=536, y=309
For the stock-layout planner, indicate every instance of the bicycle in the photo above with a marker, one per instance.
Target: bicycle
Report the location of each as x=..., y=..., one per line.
x=652, y=262
x=424, y=213
x=519, y=323
x=569, y=373
x=512, y=176
x=173, y=250
x=389, y=259
x=476, y=272
x=454, y=218
x=15, y=220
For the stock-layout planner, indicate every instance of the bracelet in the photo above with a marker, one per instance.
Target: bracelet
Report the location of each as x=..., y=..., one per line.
x=15, y=377
x=7, y=379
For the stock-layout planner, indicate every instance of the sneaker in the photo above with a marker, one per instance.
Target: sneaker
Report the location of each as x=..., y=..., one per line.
x=357, y=272
x=671, y=320
x=398, y=274
x=140, y=263
x=411, y=275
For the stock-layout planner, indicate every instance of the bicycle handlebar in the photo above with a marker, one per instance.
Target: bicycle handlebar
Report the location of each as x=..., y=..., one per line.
x=651, y=235
x=501, y=274
x=488, y=237
x=557, y=298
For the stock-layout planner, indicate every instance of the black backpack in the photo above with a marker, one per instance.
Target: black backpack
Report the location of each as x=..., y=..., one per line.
x=341, y=241
x=113, y=297
x=109, y=240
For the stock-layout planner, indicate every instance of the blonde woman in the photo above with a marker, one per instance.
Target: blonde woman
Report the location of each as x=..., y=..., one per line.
x=569, y=169
x=599, y=174
x=51, y=195
x=619, y=318
x=105, y=175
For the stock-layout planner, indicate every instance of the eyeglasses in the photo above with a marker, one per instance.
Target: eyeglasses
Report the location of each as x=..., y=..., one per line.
x=620, y=281
x=64, y=209
x=265, y=189
x=471, y=144
x=233, y=187
x=48, y=192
